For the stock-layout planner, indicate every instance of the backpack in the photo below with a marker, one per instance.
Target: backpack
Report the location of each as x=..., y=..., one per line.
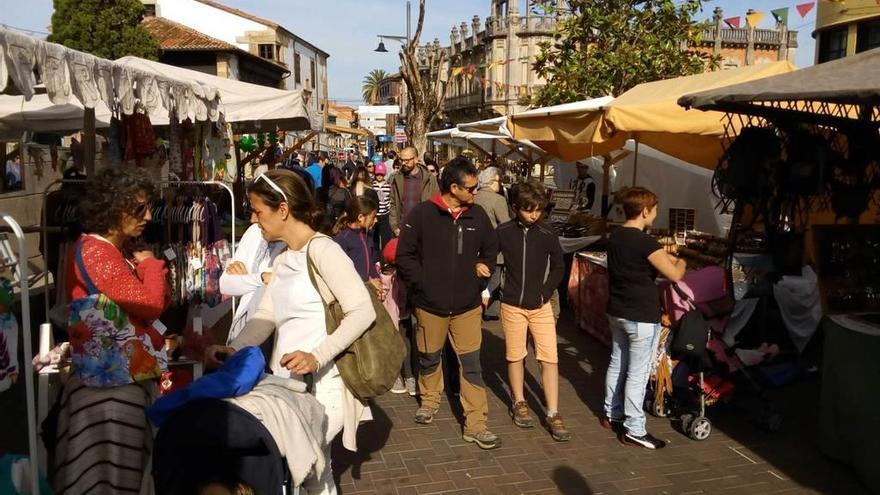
x=692, y=333
x=372, y=363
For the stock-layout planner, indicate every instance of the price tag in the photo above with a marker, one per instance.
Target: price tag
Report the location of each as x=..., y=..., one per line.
x=196, y=263
x=169, y=254
x=160, y=327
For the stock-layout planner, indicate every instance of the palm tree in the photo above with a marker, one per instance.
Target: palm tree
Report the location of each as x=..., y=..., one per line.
x=370, y=87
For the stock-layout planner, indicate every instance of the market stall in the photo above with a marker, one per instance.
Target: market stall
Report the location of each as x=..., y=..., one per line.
x=808, y=142
x=643, y=138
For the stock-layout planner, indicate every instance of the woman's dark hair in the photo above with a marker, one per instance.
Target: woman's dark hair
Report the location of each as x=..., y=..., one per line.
x=360, y=175
x=300, y=200
x=356, y=207
x=110, y=193
x=335, y=177
x=529, y=195
x=391, y=155
x=455, y=172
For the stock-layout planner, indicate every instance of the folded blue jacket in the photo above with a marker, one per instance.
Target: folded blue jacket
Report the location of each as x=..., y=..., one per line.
x=238, y=376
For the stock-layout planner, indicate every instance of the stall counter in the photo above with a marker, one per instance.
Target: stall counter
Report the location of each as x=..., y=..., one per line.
x=588, y=294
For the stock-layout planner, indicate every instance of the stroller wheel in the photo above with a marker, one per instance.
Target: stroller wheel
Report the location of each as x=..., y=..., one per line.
x=700, y=428
x=686, y=420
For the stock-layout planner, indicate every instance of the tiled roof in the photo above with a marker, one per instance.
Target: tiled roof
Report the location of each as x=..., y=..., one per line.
x=173, y=36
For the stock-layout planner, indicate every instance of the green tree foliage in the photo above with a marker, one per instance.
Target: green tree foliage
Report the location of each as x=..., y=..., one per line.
x=370, y=86
x=605, y=47
x=105, y=28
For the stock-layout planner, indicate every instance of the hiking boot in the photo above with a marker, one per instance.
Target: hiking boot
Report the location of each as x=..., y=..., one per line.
x=615, y=425
x=398, y=387
x=521, y=416
x=425, y=415
x=557, y=428
x=410, y=384
x=645, y=441
x=485, y=439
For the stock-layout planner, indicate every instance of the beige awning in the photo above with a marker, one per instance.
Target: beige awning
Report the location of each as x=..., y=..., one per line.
x=648, y=113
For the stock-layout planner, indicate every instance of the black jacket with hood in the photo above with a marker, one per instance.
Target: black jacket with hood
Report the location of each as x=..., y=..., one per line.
x=533, y=264
x=437, y=255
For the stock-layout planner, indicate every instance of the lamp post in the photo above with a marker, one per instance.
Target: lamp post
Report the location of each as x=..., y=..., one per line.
x=402, y=39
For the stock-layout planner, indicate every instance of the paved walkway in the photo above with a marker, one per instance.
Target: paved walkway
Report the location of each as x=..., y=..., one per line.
x=400, y=457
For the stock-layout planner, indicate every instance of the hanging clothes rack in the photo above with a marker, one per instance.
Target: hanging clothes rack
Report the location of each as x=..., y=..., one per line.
x=33, y=447
x=162, y=184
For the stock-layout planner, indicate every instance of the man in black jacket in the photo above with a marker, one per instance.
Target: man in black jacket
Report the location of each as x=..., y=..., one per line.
x=533, y=267
x=447, y=245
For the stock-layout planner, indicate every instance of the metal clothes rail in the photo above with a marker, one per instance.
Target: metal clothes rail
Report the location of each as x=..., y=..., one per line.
x=33, y=447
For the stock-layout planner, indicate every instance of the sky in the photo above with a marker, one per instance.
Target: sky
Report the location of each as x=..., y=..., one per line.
x=347, y=29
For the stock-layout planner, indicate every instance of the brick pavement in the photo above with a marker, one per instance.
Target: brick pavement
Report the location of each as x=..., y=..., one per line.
x=399, y=457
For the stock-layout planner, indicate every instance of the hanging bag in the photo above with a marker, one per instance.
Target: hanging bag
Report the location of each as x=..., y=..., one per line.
x=371, y=363
x=107, y=349
x=692, y=333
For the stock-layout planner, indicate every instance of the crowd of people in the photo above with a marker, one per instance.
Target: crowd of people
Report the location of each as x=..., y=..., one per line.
x=444, y=248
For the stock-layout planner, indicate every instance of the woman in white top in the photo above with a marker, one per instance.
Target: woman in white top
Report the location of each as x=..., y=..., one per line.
x=248, y=275
x=285, y=210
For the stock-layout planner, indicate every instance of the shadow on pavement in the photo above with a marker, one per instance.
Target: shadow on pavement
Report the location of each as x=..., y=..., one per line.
x=570, y=482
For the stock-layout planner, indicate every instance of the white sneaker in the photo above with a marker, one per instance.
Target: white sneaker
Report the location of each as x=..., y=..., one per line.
x=398, y=387
x=410, y=384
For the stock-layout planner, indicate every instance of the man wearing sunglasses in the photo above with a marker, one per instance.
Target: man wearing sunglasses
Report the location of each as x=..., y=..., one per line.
x=412, y=185
x=447, y=250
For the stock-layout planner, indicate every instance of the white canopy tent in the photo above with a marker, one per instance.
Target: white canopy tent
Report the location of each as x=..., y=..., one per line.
x=485, y=143
x=248, y=107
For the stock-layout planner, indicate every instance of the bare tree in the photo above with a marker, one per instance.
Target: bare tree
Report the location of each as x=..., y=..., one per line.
x=426, y=73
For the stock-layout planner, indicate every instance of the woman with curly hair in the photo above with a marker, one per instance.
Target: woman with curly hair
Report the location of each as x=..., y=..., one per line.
x=117, y=291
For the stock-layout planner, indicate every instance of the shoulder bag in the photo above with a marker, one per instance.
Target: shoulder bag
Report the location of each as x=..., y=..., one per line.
x=107, y=349
x=371, y=363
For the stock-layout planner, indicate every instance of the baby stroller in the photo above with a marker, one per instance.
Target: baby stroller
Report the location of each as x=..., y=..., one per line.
x=697, y=308
x=213, y=440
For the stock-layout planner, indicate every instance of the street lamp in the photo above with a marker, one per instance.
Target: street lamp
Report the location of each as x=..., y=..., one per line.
x=381, y=49
x=404, y=40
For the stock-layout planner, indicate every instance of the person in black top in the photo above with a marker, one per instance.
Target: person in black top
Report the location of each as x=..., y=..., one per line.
x=634, y=260
x=533, y=268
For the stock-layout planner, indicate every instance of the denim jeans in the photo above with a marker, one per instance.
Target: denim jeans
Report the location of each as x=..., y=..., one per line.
x=632, y=350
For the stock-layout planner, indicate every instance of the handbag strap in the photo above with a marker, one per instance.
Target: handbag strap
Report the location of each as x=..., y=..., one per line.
x=684, y=296
x=81, y=266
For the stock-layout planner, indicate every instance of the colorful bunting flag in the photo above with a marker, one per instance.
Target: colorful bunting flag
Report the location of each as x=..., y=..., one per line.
x=781, y=15
x=457, y=71
x=754, y=19
x=805, y=8
x=733, y=22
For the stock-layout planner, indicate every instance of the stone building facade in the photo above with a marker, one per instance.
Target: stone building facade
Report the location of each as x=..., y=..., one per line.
x=497, y=56
x=739, y=47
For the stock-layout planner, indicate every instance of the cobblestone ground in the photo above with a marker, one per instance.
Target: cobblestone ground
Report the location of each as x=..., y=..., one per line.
x=399, y=457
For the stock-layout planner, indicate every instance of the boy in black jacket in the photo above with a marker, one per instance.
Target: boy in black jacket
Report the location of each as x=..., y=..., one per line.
x=533, y=268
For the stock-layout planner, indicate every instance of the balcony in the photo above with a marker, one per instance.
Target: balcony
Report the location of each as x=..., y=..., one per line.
x=469, y=100
x=537, y=25
x=740, y=36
